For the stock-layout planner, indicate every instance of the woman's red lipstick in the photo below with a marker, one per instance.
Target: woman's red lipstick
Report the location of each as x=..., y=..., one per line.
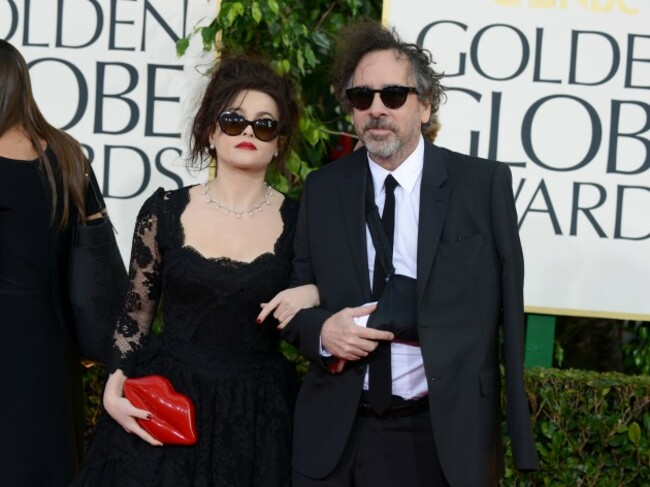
x=246, y=145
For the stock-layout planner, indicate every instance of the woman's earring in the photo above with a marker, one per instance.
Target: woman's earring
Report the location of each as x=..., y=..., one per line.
x=275, y=155
x=211, y=146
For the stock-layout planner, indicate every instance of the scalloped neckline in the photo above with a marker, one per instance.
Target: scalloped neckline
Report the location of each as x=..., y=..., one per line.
x=229, y=260
x=224, y=259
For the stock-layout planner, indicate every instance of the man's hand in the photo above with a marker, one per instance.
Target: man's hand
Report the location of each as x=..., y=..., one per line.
x=344, y=339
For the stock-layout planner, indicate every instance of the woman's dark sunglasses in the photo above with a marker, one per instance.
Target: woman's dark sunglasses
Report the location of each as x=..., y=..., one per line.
x=392, y=96
x=264, y=129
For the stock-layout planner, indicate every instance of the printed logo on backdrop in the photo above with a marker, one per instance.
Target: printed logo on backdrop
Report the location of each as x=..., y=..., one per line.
x=586, y=5
x=560, y=91
x=106, y=71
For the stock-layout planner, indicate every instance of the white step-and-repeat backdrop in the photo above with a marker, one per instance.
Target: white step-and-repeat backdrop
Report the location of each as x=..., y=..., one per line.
x=560, y=90
x=106, y=71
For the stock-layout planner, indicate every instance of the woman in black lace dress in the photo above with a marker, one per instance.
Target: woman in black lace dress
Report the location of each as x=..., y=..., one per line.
x=213, y=253
x=43, y=187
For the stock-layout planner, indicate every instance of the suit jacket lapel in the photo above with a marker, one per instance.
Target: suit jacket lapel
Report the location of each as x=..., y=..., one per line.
x=433, y=207
x=353, y=208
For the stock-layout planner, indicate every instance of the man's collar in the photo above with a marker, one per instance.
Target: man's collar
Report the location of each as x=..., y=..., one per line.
x=406, y=174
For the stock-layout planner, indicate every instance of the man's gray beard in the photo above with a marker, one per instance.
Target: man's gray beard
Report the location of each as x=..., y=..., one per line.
x=385, y=147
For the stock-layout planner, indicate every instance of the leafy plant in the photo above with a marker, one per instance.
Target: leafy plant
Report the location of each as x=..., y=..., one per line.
x=93, y=378
x=591, y=429
x=636, y=350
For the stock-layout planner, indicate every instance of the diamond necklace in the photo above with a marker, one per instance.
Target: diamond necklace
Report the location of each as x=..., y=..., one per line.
x=251, y=211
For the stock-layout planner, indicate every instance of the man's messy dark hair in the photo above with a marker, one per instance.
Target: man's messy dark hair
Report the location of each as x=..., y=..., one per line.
x=362, y=37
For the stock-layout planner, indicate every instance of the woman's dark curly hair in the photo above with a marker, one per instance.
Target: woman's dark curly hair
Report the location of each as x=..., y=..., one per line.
x=232, y=74
x=365, y=36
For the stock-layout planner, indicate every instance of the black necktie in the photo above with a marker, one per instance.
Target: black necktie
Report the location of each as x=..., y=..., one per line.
x=379, y=374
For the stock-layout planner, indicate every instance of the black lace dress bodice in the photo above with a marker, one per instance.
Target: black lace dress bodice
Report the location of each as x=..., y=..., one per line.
x=211, y=349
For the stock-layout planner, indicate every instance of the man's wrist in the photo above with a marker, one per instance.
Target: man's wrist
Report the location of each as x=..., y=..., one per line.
x=323, y=351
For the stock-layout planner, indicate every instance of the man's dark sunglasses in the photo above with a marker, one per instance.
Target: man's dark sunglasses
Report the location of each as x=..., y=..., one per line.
x=391, y=96
x=264, y=129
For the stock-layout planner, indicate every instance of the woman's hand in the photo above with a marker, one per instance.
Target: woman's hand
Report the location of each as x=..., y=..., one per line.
x=287, y=303
x=121, y=409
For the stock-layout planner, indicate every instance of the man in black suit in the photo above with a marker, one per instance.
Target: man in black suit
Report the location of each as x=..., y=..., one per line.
x=451, y=224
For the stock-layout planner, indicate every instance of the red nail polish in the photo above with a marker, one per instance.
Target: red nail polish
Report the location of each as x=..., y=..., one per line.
x=149, y=416
x=259, y=321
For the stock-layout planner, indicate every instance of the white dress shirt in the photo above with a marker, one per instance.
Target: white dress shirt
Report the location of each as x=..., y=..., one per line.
x=409, y=379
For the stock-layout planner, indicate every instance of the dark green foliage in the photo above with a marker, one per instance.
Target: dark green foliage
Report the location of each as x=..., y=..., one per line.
x=603, y=345
x=94, y=378
x=589, y=344
x=592, y=429
x=636, y=351
x=294, y=356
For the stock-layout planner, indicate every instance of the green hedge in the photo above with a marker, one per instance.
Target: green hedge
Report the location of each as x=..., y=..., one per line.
x=94, y=378
x=592, y=429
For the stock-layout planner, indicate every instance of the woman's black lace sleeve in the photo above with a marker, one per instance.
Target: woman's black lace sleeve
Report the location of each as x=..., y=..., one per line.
x=143, y=294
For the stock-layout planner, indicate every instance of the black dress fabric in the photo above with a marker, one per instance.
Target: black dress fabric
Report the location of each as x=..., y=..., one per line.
x=211, y=349
x=41, y=405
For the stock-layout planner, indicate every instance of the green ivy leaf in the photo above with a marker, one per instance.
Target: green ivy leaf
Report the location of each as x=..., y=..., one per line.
x=293, y=164
x=181, y=45
x=548, y=429
x=321, y=40
x=305, y=170
x=281, y=184
x=309, y=55
x=207, y=36
x=236, y=9
x=256, y=12
x=634, y=433
x=301, y=61
x=355, y=5
x=312, y=136
x=273, y=5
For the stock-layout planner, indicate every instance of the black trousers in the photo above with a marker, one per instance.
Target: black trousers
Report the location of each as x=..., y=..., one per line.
x=385, y=452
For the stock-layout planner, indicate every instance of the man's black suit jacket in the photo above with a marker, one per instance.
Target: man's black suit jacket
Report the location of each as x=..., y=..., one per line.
x=469, y=282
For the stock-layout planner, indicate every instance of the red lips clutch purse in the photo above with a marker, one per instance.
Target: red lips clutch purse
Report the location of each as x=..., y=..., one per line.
x=173, y=421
